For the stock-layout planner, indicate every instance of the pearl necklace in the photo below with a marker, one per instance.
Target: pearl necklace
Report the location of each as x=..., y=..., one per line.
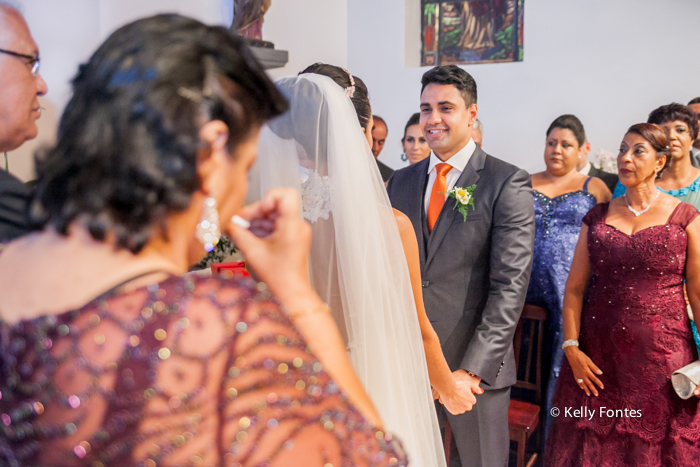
x=639, y=213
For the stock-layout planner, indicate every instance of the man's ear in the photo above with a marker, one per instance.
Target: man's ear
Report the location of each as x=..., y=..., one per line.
x=473, y=113
x=215, y=136
x=585, y=149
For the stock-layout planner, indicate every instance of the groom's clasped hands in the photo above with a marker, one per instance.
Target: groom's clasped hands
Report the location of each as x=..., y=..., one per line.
x=461, y=399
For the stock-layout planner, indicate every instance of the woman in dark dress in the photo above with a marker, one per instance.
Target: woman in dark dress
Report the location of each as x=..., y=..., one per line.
x=562, y=196
x=632, y=333
x=109, y=355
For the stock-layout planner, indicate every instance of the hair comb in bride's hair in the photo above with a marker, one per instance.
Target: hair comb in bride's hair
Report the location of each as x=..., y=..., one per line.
x=350, y=90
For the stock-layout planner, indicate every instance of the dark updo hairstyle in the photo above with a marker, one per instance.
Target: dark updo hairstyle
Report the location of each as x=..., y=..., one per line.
x=126, y=152
x=454, y=75
x=657, y=136
x=414, y=120
x=673, y=112
x=572, y=123
x=360, y=100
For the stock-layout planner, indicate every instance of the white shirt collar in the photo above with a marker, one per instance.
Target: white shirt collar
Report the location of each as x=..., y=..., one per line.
x=459, y=161
x=587, y=169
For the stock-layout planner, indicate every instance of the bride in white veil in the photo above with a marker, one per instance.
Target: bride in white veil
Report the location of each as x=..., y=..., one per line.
x=358, y=264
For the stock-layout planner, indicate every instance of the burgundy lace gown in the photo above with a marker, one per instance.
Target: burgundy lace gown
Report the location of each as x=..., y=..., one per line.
x=203, y=372
x=634, y=326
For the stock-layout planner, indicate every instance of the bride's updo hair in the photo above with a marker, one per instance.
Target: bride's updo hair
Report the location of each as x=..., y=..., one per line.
x=360, y=98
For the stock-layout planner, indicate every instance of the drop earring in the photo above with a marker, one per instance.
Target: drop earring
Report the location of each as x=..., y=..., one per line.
x=208, y=232
x=404, y=157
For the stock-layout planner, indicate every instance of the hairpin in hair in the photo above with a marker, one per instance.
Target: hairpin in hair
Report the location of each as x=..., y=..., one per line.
x=350, y=90
x=190, y=94
x=206, y=92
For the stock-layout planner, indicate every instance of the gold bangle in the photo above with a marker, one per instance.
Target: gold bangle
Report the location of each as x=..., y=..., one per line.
x=309, y=311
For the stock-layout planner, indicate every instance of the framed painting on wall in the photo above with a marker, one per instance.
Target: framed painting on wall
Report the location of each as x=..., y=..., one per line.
x=477, y=31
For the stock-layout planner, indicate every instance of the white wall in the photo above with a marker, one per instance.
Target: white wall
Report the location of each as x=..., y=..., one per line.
x=311, y=30
x=608, y=62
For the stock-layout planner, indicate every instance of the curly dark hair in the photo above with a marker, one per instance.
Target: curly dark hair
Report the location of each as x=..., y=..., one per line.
x=126, y=153
x=571, y=123
x=454, y=75
x=657, y=136
x=360, y=99
x=673, y=112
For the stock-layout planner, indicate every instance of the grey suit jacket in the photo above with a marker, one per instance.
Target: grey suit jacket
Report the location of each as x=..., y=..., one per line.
x=475, y=272
x=14, y=197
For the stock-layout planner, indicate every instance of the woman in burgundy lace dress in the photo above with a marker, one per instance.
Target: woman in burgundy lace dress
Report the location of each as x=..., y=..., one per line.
x=109, y=356
x=617, y=405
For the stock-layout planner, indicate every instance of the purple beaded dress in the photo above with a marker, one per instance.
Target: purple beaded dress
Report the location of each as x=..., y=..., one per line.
x=203, y=372
x=634, y=326
x=557, y=226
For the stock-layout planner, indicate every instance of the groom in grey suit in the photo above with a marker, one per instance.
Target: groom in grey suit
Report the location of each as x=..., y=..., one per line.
x=475, y=271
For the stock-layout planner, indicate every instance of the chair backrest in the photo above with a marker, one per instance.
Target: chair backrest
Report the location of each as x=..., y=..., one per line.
x=532, y=322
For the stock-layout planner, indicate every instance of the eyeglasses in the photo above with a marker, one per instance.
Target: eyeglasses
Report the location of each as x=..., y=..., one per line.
x=33, y=61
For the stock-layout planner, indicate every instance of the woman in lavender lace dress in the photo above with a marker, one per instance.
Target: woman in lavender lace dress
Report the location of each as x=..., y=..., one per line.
x=109, y=356
x=624, y=324
x=562, y=196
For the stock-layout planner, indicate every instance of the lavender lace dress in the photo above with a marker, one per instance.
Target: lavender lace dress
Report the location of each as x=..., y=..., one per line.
x=203, y=372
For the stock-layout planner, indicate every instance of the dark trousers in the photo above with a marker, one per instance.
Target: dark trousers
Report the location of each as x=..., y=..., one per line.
x=480, y=436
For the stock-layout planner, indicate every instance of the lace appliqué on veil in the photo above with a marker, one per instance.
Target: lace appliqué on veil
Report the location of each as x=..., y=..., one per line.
x=315, y=196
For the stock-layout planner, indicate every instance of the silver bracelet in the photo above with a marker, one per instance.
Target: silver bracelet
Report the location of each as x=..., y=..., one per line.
x=569, y=342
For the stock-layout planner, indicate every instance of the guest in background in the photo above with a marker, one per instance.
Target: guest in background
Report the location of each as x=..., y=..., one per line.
x=562, y=196
x=694, y=105
x=379, y=134
x=415, y=147
x=624, y=325
x=20, y=86
x=478, y=132
x=680, y=179
x=586, y=168
x=115, y=358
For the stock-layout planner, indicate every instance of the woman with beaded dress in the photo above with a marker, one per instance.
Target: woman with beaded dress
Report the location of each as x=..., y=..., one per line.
x=109, y=354
x=562, y=196
x=680, y=179
x=625, y=325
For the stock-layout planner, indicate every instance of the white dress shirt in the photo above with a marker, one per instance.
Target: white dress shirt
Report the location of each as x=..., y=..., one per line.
x=586, y=169
x=458, y=162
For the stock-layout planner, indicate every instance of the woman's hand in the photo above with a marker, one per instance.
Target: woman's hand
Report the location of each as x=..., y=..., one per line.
x=460, y=400
x=584, y=369
x=697, y=391
x=277, y=244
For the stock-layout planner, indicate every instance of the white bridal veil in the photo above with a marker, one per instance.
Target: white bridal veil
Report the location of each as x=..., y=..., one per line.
x=357, y=261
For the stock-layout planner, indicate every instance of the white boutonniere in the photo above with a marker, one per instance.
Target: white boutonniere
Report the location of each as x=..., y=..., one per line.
x=463, y=199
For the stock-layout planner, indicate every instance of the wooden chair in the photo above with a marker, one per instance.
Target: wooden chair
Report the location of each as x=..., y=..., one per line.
x=524, y=417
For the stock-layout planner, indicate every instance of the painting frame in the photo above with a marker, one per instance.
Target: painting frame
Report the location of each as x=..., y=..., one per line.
x=471, y=32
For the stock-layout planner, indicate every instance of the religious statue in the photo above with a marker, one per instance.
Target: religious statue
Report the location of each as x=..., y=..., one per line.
x=248, y=17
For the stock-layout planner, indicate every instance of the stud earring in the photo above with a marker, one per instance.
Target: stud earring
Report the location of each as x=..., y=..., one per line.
x=208, y=232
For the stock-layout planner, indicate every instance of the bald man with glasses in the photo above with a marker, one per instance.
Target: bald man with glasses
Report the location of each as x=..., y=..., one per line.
x=20, y=87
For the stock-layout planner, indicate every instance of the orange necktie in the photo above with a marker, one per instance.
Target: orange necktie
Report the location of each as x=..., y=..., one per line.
x=437, y=199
